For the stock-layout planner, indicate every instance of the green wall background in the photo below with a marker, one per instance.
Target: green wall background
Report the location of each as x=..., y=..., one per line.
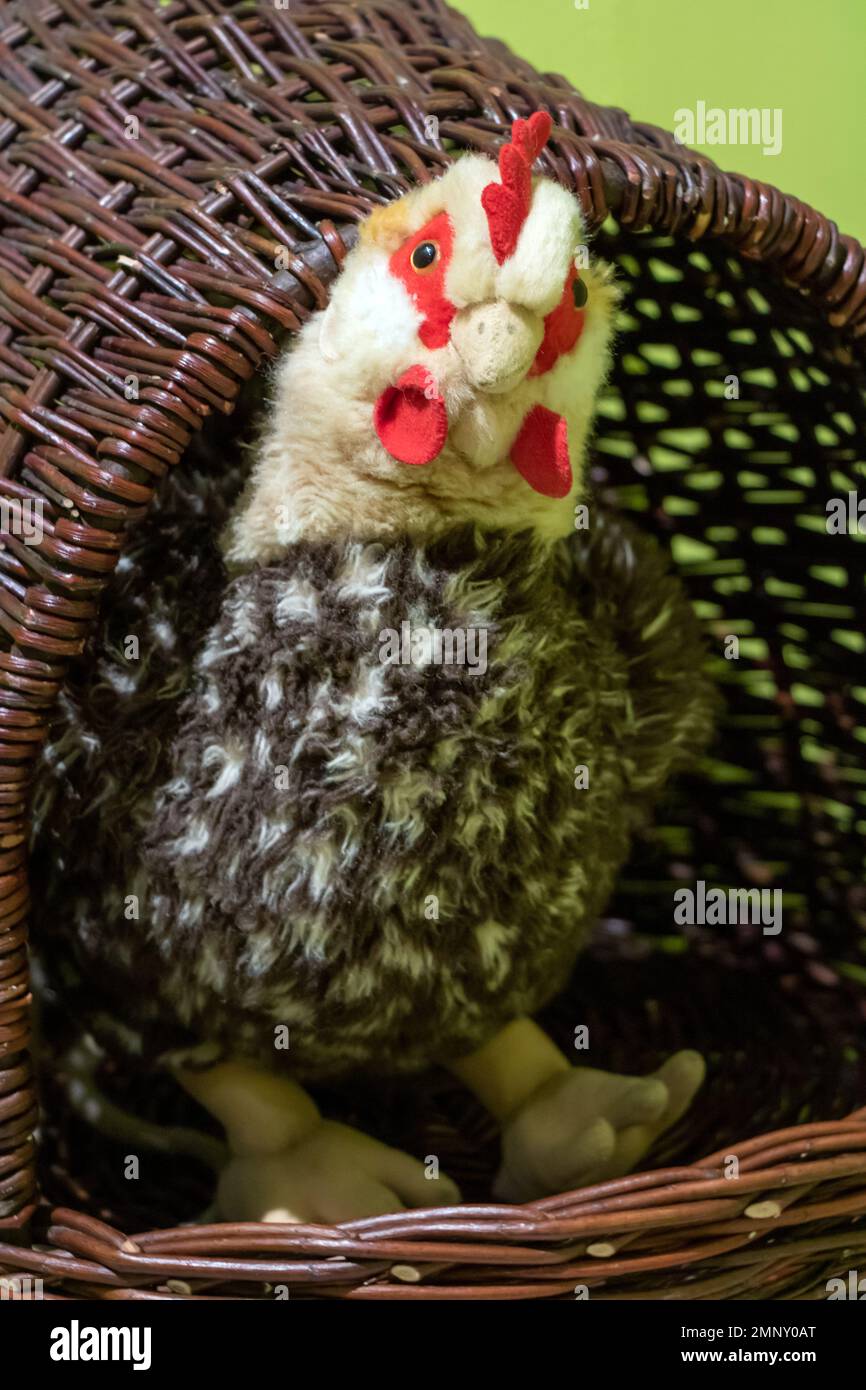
x=807, y=57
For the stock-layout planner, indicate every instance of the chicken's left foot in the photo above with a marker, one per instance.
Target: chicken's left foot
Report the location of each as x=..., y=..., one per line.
x=584, y=1126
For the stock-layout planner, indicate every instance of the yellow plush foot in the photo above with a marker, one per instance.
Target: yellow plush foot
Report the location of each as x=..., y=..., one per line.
x=584, y=1126
x=333, y=1174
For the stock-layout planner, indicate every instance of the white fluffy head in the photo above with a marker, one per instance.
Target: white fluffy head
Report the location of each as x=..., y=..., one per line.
x=324, y=470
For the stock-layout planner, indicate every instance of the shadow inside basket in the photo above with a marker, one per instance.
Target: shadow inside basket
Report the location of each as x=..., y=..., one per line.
x=729, y=423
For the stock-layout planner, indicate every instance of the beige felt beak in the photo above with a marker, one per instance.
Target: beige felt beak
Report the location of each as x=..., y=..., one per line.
x=497, y=343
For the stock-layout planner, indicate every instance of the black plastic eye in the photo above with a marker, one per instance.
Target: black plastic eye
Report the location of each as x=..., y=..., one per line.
x=425, y=254
x=580, y=292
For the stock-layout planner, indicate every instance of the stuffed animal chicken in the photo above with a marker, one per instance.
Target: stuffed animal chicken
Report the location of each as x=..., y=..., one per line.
x=360, y=798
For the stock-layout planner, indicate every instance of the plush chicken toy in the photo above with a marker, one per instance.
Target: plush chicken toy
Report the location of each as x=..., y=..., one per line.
x=363, y=793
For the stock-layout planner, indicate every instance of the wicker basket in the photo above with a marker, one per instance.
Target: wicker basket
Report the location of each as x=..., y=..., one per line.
x=154, y=158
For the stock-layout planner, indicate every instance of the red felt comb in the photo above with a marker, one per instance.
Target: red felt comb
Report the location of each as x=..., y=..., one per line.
x=507, y=203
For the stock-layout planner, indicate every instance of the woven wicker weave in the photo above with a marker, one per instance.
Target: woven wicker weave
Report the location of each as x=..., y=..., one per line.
x=154, y=160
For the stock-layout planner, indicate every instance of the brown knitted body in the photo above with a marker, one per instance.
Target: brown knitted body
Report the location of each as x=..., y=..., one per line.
x=334, y=863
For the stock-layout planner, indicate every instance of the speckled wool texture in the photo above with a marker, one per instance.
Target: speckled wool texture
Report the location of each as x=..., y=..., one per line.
x=259, y=826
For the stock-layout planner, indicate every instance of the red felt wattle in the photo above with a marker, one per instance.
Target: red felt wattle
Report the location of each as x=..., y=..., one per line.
x=540, y=452
x=410, y=418
x=507, y=203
